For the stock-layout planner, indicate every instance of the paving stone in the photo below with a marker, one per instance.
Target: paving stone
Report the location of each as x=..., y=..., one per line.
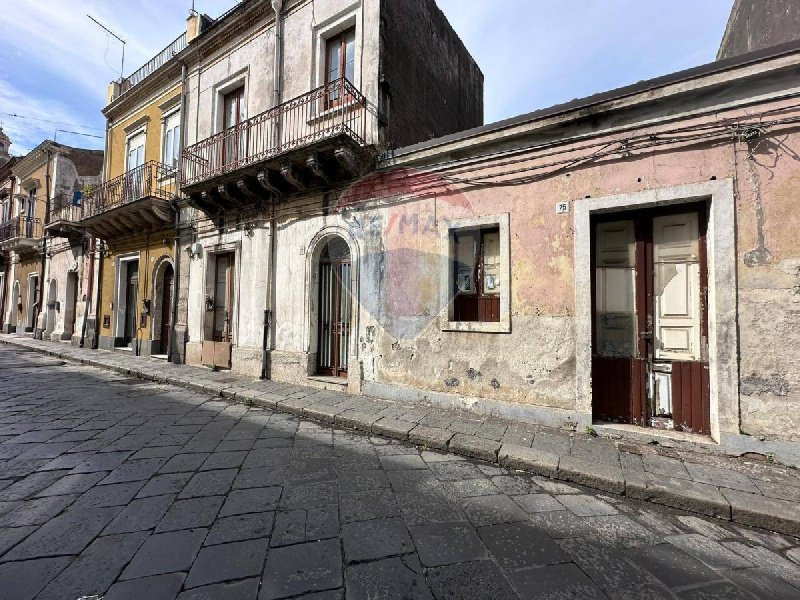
x=479, y=580
x=551, y=441
x=471, y=487
x=430, y=437
x=664, y=465
x=726, y=478
x=536, y=461
x=515, y=485
x=209, y=483
x=714, y=531
x=763, y=584
x=556, y=581
x=30, y=485
x=184, y=462
x=362, y=480
x=598, y=475
x=93, y=572
x=672, y=566
x=429, y=506
x=303, y=568
x=72, y=484
x=191, y=513
x=116, y=494
x=371, y=504
x=140, y=515
x=223, y=460
x=538, y=503
x=24, y=580
x=240, y=527
x=246, y=589
x=520, y=545
x=488, y=510
x=134, y=470
x=310, y=495
x=225, y=562
x=393, y=428
x=466, y=426
x=403, y=461
x=102, y=462
x=267, y=457
x=160, y=587
x=260, y=477
x=719, y=589
x=412, y=479
x=609, y=567
x=388, y=578
x=586, y=506
x=290, y=528
x=68, y=533
x=168, y=483
x=475, y=447
x=678, y=493
x=768, y=513
x=648, y=591
x=768, y=561
x=447, y=543
x=455, y=471
x=378, y=538
x=250, y=501
x=10, y=537
x=165, y=553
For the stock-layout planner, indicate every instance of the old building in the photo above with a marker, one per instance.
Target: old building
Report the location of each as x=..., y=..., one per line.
x=286, y=104
x=758, y=24
x=43, y=277
x=132, y=210
x=6, y=210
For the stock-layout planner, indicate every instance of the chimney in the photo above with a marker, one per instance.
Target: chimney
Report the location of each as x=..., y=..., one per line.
x=193, y=24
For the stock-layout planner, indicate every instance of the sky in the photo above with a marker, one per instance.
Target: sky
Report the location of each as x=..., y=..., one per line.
x=55, y=63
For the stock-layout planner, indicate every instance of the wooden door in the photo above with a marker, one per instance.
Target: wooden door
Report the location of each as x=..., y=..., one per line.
x=648, y=356
x=131, y=299
x=335, y=308
x=166, y=307
x=233, y=115
x=223, y=297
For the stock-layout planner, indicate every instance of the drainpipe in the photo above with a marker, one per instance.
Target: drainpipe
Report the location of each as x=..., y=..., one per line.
x=269, y=311
x=176, y=256
x=100, y=248
x=40, y=302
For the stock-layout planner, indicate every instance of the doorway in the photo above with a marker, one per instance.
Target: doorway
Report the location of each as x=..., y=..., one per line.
x=335, y=308
x=130, y=294
x=33, y=308
x=166, y=307
x=71, y=307
x=650, y=320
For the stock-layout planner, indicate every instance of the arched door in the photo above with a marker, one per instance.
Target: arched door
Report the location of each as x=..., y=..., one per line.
x=166, y=307
x=335, y=308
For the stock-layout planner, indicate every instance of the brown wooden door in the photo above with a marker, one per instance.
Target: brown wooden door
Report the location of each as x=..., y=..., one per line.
x=649, y=361
x=166, y=307
x=335, y=308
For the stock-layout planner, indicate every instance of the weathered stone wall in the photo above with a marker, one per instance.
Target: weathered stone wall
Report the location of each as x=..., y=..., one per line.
x=757, y=24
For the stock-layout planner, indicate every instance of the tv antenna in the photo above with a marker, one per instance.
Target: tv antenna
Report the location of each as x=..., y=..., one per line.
x=107, y=30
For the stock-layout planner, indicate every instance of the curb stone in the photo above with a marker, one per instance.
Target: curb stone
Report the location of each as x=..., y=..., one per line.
x=782, y=516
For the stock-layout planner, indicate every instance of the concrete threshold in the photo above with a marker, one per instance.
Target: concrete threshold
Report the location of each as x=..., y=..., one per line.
x=694, y=477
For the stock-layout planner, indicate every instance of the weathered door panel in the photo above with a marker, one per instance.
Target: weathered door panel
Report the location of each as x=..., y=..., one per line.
x=690, y=397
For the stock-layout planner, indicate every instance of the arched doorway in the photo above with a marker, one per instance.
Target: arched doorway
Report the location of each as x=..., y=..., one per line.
x=166, y=283
x=334, y=314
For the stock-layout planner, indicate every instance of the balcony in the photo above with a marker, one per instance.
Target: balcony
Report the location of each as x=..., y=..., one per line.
x=65, y=218
x=138, y=201
x=20, y=234
x=316, y=139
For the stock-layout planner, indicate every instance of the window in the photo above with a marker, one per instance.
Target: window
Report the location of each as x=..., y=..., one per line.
x=476, y=282
x=475, y=288
x=233, y=108
x=340, y=64
x=172, y=139
x=135, y=151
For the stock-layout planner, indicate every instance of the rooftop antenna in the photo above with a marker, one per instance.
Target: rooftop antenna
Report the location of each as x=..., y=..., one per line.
x=107, y=30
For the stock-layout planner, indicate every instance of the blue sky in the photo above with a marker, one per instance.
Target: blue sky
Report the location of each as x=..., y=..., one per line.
x=55, y=64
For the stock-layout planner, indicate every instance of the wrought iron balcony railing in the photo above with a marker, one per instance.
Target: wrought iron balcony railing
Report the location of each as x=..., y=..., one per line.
x=153, y=64
x=150, y=180
x=337, y=108
x=64, y=209
x=22, y=228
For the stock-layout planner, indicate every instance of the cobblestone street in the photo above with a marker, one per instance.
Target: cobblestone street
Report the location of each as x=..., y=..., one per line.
x=122, y=488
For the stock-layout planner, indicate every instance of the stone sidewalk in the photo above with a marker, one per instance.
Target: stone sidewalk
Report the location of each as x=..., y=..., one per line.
x=695, y=477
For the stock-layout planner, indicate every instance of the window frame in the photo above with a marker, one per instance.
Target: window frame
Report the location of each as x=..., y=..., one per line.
x=165, y=129
x=448, y=228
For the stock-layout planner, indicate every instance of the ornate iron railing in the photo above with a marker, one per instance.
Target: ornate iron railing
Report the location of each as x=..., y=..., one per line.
x=330, y=110
x=153, y=64
x=150, y=180
x=63, y=209
x=21, y=227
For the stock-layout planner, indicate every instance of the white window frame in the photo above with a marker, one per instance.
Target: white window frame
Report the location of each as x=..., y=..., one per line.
x=351, y=16
x=129, y=137
x=446, y=228
x=166, y=117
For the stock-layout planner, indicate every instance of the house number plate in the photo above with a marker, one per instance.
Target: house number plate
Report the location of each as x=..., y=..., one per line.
x=562, y=208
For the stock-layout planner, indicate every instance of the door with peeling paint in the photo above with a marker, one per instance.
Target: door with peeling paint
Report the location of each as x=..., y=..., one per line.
x=649, y=364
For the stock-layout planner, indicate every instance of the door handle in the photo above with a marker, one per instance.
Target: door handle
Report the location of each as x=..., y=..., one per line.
x=647, y=334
